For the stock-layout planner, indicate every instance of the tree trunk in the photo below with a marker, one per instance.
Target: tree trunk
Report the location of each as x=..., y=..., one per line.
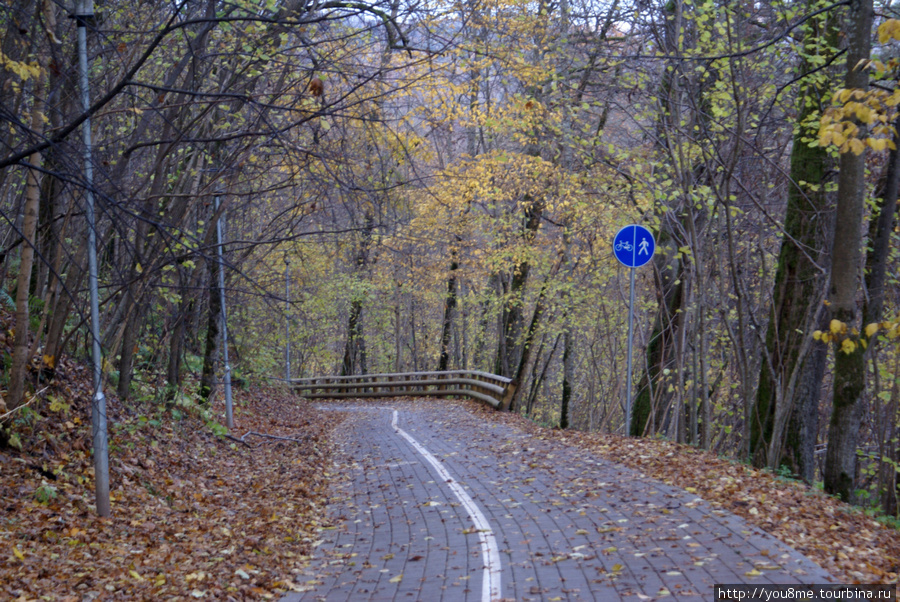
x=849, y=368
x=136, y=287
x=480, y=359
x=51, y=239
x=797, y=292
x=176, y=346
x=568, y=378
x=703, y=414
x=354, y=350
x=527, y=358
x=568, y=339
x=211, y=351
x=798, y=452
x=62, y=304
x=398, y=350
x=29, y=226
x=649, y=407
x=890, y=453
x=881, y=226
x=414, y=347
x=537, y=378
x=126, y=354
x=449, y=308
x=354, y=361
x=512, y=319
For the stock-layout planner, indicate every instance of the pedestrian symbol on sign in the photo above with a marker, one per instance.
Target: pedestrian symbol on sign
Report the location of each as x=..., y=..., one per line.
x=645, y=244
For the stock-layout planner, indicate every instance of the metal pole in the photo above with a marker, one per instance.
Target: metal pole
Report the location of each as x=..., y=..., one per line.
x=630, y=344
x=229, y=415
x=287, y=326
x=84, y=12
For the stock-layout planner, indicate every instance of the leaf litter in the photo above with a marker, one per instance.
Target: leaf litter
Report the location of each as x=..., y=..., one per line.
x=195, y=515
x=201, y=516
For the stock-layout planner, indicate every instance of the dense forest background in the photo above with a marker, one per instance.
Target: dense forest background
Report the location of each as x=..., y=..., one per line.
x=408, y=186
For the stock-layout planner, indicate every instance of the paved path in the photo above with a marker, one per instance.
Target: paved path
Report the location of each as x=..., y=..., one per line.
x=565, y=526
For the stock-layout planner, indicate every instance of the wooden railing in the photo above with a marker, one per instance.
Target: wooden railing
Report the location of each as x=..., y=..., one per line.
x=496, y=391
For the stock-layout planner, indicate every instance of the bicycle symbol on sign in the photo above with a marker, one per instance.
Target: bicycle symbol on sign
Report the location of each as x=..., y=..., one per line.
x=624, y=245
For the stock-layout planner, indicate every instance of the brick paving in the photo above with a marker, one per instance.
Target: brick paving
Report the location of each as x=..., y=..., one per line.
x=569, y=526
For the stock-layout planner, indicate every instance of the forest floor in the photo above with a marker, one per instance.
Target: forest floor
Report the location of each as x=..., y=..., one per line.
x=198, y=515
x=195, y=514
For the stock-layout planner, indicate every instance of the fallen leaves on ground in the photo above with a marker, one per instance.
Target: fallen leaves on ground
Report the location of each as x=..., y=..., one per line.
x=195, y=515
x=843, y=540
x=200, y=516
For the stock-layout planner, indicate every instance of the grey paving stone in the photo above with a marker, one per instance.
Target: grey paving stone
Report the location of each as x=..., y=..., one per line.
x=568, y=527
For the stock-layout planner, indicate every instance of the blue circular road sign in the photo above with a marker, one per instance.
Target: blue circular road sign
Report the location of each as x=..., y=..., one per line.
x=634, y=246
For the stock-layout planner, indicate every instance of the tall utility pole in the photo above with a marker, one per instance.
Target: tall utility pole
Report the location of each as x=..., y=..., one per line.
x=229, y=414
x=287, y=321
x=84, y=14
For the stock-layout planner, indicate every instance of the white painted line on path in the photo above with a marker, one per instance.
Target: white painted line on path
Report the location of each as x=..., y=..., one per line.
x=490, y=585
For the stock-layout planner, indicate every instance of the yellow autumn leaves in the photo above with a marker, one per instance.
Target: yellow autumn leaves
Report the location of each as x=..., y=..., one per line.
x=23, y=70
x=889, y=30
x=848, y=338
x=839, y=125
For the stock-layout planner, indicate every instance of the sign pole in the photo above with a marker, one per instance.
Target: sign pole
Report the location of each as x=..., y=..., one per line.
x=630, y=347
x=229, y=413
x=633, y=247
x=287, y=319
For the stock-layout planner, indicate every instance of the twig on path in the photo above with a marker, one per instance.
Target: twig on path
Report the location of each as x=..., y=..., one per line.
x=233, y=438
x=24, y=405
x=271, y=437
x=243, y=438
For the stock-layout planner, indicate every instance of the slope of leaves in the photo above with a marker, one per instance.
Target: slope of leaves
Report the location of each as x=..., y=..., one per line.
x=853, y=547
x=196, y=515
